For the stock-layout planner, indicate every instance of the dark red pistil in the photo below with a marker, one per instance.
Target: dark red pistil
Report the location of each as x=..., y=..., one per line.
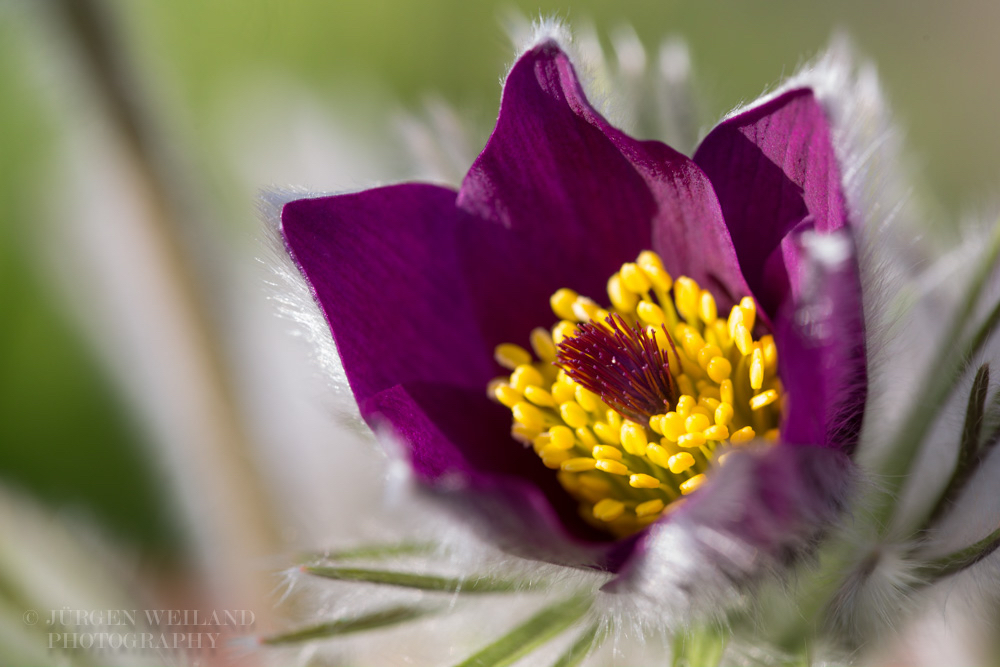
x=621, y=364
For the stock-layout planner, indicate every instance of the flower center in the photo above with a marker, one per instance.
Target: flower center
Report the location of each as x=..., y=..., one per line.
x=633, y=405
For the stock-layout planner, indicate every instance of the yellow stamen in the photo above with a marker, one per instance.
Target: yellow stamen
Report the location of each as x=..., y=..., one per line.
x=608, y=509
x=643, y=481
x=719, y=389
x=692, y=484
x=649, y=507
x=511, y=356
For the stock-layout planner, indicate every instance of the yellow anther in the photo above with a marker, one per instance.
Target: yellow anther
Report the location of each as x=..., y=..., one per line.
x=633, y=437
x=587, y=399
x=594, y=482
x=707, y=390
x=551, y=451
x=621, y=297
x=743, y=339
x=686, y=295
x=726, y=391
x=691, y=440
x=607, y=433
x=673, y=426
x=541, y=442
x=614, y=419
x=525, y=376
x=649, y=258
x=724, y=414
x=690, y=340
x=563, y=392
x=680, y=462
x=539, y=396
x=763, y=398
x=554, y=458
x=573, y=414
x=585, y=309
x=658, y=455
x=735, y=319
x=685, y=385
x=757, y=369
x=707, y=308
x=613, y=467
x=543, y=345
x=561, y=437
x=608, y=509
x=701, y=410
x=745, y=434
x=649, y=508
x=709, y=403
x=562, y=303
x=528, y=415
x=659, y=277
x=650, y=313
x=749, y=309
x=719, y=369
x=579, y=464
x=601, y=315
x=511, y=356
x=707, y=353
x=654, y=423
x=584, y=435
x=523, y=434
x=684, y=405
x=507, y=395
x=569, y=480
x=696, y=423
x=642, y=481
x=635, y=278
x=563, y=330
x=692, y=484
x=772, y=434
x=770, y=352
x=716, y=432
x=607, y=452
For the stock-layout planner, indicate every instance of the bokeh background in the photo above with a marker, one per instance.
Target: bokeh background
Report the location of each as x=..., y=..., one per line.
x=131, y=125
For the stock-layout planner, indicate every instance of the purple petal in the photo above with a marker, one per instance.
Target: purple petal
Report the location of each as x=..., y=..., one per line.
x=772, y=167
x=821, y=343
x=758, y=510
x=777, y=176
x=579, y=198
x=386, y=272
x=458, y=446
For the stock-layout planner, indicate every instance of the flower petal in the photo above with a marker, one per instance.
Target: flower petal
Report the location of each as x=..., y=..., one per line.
x=821, y=342
x=772, y=166
x=757, y=511
x=459, y=447
x=384, y=267
x=583, y=197
x=777, y=177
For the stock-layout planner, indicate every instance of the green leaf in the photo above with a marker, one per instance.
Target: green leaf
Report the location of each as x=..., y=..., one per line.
x=969, y=456
x=343, y=626
x=961, y=559
x=702, y=647
x=943, y=374
x=370, y=552
x=424, y=582
x=536, y=631
x=588, y=641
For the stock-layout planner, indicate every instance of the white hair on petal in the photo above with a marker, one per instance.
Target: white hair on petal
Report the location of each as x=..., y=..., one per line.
x=296, y=301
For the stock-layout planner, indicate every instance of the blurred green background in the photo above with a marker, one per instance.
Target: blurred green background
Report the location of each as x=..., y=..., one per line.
x=204, y=68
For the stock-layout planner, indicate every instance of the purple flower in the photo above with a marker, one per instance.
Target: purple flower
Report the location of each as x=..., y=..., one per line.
x=420, y=284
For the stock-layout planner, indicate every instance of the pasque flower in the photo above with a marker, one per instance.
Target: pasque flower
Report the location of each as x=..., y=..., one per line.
x=719, y=386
